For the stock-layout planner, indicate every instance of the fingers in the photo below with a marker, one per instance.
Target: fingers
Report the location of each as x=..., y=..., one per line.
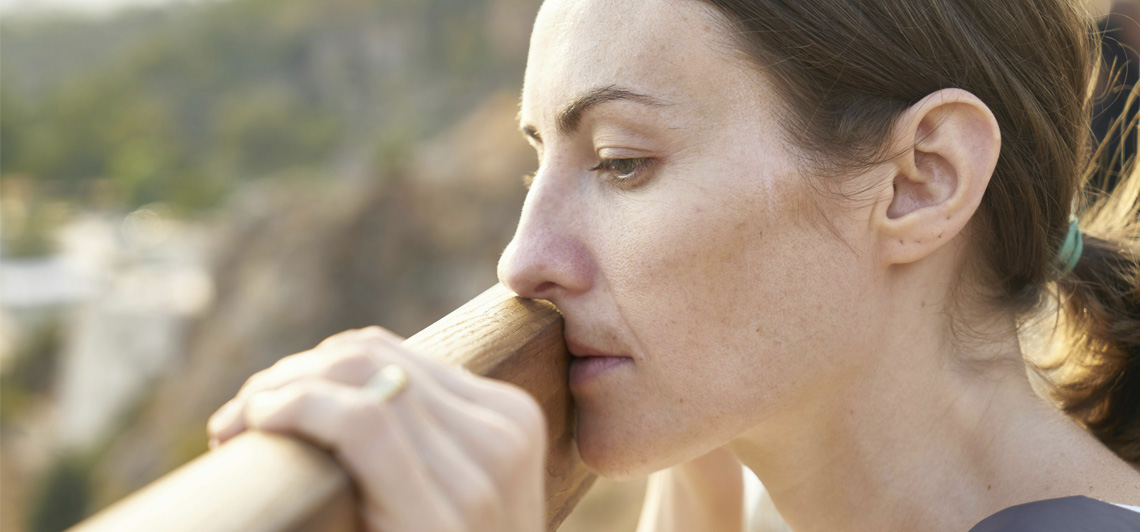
x=354, y=356
x=228, y=422
x=315, y=406
x=448, y=450
x=461, y=478
x=395, y=449
x=330, y=360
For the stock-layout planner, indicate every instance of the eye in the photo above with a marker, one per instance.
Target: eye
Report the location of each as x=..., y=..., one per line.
x=624, y=172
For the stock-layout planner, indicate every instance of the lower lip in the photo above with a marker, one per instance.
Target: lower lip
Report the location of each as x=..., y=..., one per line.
x=586, y=369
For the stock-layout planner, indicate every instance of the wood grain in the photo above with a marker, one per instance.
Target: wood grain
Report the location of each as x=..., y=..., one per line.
x=260, y=482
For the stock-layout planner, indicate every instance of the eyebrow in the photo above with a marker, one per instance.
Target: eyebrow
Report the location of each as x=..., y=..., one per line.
x=570, y=116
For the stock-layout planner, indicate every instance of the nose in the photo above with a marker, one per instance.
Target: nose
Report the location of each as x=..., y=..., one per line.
x=548, y=257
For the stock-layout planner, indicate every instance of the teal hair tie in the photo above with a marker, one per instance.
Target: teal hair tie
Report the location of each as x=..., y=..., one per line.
x=1070, y=253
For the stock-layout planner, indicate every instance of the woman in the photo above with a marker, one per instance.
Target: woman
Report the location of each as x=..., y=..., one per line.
x=802, y=233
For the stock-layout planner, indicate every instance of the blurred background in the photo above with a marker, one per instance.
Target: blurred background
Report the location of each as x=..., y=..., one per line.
x=192, y=189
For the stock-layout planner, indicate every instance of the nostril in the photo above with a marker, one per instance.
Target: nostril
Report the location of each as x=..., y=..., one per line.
x=544, y=287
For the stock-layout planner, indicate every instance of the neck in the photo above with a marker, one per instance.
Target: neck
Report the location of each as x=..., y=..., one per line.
x=927, y=441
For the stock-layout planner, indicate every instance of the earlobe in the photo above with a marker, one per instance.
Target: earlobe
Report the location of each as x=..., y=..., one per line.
x=948, y=146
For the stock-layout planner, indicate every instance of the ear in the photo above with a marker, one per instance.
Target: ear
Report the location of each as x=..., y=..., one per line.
x=948, y=146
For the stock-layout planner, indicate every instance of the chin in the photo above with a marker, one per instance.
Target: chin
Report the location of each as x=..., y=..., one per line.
x=609, y=466
x=615, y=455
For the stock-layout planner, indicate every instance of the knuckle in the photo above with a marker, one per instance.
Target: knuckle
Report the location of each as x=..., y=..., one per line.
x=348, y=360
x=255, y=382
x=373, y=331
x=338, y=337
x=268, y=377
x=272, y=409
x=382, y=334
x=370, y=333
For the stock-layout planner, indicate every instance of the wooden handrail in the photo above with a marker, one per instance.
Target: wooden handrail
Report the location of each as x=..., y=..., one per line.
x=259, y=482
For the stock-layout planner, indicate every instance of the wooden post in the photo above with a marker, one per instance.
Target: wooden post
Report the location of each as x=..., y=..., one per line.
x=260, y=482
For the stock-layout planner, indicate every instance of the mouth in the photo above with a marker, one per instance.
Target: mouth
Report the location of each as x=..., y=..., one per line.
x=579, y=350
x=588, y=365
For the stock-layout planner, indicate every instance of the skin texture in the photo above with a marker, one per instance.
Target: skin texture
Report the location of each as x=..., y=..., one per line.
x=450, y=452
x=815, y=334
x=702, y=494
x=809, y=325
x=695, y=269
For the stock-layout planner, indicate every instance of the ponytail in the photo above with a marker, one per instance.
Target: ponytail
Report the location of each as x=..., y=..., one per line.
x=1099, y=378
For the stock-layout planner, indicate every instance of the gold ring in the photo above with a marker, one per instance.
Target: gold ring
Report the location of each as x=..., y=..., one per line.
x=387, y=383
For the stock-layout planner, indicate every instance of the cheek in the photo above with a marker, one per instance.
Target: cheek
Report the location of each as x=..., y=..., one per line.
x=686, y=272
x=734, y=300
x=669, y=271
x=692, y=260
x=731, y=295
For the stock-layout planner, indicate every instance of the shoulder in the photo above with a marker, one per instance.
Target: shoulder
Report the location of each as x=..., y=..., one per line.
x=1069, y=514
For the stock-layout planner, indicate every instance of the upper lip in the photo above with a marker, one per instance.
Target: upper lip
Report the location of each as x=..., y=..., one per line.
x=582, y=350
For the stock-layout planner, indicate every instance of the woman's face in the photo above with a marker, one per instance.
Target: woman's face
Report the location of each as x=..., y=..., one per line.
x=671, y=224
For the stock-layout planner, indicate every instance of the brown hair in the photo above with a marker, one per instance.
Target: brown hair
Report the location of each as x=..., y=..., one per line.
x=847, y=70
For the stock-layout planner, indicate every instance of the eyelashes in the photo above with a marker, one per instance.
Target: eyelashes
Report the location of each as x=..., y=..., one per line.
x=623, y=173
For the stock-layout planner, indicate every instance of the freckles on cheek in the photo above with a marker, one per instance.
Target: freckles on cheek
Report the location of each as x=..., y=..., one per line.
x=684, y=273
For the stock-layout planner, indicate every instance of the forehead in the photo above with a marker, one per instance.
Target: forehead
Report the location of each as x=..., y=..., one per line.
x=673, y=50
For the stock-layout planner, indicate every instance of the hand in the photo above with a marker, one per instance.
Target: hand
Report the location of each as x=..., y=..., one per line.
x=452, y=451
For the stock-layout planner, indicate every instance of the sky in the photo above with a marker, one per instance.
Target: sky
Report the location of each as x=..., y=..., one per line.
x=95, y=7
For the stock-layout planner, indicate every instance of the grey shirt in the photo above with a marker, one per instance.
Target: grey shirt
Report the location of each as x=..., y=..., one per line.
x=1067, y=514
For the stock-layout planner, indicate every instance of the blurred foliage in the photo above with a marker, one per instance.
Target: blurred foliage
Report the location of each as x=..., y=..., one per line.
x=28, y=217
x=63, y=495
x=291, y=128
x=29, y=370
x=180, y=104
